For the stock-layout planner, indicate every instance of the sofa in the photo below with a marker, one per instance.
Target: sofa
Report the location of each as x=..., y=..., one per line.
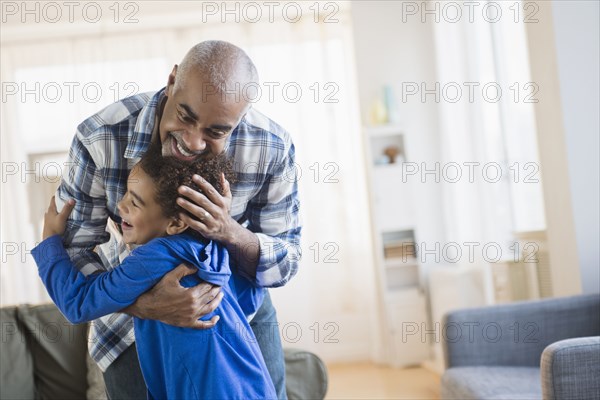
x=43, y=356
x=546, y=349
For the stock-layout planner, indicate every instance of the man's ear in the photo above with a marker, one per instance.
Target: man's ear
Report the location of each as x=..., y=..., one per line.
x=176, y=226
x=171, y=81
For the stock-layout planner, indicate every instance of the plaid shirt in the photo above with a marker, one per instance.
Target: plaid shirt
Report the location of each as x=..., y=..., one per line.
x=105, y=148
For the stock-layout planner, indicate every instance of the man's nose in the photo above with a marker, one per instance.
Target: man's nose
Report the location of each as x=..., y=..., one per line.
x=195, y=142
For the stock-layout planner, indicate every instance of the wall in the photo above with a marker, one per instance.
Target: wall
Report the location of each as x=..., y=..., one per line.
x=560, y=227
x=577, y=52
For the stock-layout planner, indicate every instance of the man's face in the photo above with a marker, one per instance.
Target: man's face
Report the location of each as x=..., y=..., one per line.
x=196, y=121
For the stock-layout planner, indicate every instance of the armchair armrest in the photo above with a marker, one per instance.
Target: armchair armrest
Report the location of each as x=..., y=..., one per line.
x=516, y=334
x=570, y=369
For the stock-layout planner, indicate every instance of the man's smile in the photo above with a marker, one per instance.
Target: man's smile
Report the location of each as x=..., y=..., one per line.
x=179, y=150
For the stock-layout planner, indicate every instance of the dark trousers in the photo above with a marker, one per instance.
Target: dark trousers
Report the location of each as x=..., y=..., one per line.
x=124, y=380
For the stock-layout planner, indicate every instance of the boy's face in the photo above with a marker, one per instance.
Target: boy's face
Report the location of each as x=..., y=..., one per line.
x=142, y=217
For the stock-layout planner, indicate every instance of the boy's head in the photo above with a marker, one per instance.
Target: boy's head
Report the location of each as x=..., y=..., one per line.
x=149, y=209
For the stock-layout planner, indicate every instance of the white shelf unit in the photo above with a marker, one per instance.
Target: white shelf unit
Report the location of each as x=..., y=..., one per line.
x=401, y=299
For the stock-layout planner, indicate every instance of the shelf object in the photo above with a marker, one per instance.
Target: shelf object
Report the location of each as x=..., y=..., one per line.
x=387, y=146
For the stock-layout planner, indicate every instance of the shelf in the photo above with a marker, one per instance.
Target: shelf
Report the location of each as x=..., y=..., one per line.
x=394, y=226
x=396, y=167
x=383, y=130
x=402, y=277
x=384, y=141
x=401, y=263
x=404, y=296
x=395, y=236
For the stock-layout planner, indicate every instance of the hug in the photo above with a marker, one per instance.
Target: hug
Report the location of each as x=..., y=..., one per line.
x=163, y=232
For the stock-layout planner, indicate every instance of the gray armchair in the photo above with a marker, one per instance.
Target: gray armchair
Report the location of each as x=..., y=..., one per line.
x=525, y=350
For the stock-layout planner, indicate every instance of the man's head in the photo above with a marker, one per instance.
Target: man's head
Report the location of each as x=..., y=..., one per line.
x=149, y=209
x=205, y=100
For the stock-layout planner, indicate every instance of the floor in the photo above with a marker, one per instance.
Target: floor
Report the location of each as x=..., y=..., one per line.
x=370, y=381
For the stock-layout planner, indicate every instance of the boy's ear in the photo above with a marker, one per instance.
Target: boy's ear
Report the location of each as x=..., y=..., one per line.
x=176, y=226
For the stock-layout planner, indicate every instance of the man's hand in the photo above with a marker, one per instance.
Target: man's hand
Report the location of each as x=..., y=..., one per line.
x=54, y=221
x=214, y=222
x=210, y=208
x=176, y=305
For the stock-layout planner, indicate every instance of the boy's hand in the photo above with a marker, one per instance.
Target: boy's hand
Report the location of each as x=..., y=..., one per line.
x=54, y=221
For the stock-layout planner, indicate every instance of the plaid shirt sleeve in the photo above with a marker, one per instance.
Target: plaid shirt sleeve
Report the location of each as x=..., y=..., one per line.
x=273, y=215
x=86, y=226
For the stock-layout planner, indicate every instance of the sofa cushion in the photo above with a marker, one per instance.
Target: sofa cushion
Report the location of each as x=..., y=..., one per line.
x=96, y=387
x=58, y=349
x=492, y=383
x=16, y=363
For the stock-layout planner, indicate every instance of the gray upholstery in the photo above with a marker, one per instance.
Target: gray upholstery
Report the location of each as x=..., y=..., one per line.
x=500, y=340
x=491, y=383
x=16, y=363
x=306, y=375
x=43, y=356
x=571, y=369
x=517, y=333
x=59, y=352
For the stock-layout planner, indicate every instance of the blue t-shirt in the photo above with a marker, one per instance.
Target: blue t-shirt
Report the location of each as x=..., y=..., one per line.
x=224, y=362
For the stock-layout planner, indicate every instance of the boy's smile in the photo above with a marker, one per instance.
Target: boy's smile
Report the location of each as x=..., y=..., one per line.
x=142, y=218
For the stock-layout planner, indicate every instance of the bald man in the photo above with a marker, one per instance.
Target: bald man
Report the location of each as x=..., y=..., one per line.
x=203, y=111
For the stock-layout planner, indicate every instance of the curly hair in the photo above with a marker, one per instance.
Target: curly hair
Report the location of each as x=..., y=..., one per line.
x=168, y=173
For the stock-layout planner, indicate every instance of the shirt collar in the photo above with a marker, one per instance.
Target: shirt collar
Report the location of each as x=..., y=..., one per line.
x=146, y=123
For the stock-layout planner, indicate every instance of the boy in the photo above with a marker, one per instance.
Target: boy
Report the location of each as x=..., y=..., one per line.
x=177, y=363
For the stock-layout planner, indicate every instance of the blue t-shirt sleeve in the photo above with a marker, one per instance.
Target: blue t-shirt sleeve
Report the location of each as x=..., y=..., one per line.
x=82, y=298
x=249, y=296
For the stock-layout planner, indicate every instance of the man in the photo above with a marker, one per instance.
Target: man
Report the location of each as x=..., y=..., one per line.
x=203, y=111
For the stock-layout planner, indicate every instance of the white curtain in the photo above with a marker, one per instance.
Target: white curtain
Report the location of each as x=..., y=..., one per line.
x=477, y=132
x=333, y=293
x=494, y=132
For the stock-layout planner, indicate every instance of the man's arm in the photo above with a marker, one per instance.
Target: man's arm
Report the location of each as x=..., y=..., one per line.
x=268, y=251
x=176, y=305
x=86, y=226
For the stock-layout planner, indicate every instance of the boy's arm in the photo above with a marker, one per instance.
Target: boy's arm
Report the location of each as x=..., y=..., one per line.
x=86, y=228
x=82, y=298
